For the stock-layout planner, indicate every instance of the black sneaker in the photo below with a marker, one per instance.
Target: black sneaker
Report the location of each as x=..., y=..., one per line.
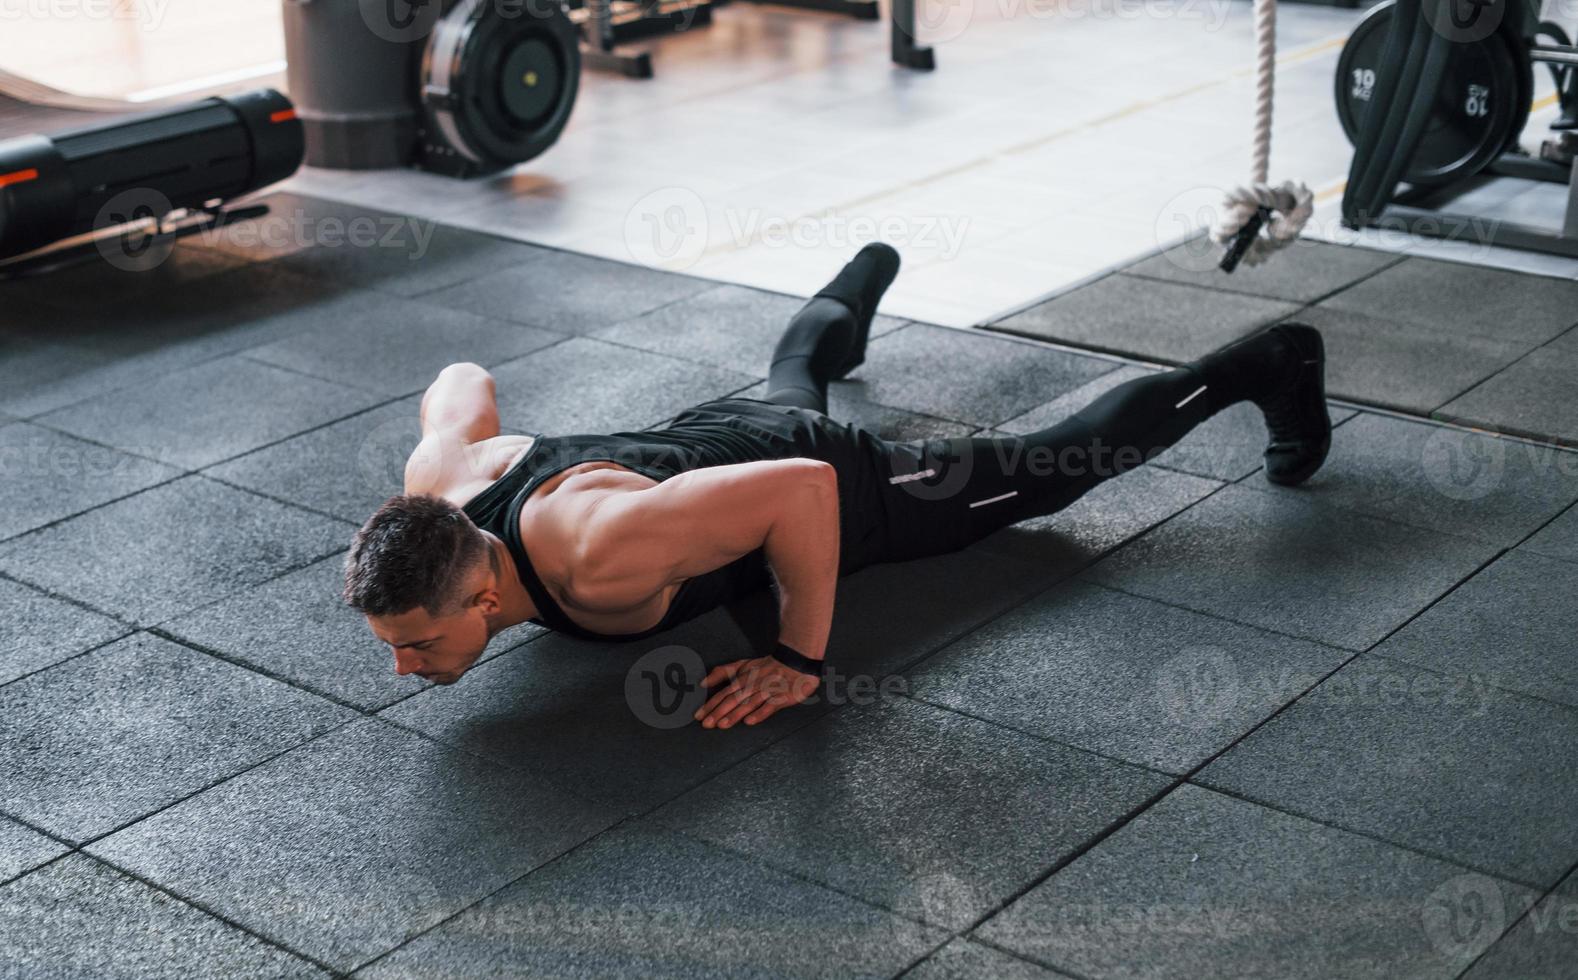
x=1295, y=412
x=869, y=274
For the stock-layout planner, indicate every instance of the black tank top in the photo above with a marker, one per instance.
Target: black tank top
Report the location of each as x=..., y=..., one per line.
x=714, y=433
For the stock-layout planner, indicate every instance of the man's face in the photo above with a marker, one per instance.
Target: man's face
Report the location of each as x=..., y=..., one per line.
x=438, y=648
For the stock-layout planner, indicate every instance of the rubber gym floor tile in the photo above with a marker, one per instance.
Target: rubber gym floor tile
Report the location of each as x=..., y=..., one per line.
x=845, y=404
x=1101, y=520
x=596, y=720
x=1536, y=397
x=612, y=722
x=117, y=280
x=638, y=901
x=1508, y=625
x=211, y=315
x=49, y=475
x=135, y=726
x=964, y=960
x=1121, y=676
x=30, y=364
x=297, y=628
x=1068, y=402
x=346, y=469
x=1160, y=321
x=891, y=615
x=1403, y=366
x=1202, y=885
x=171, y=549
x=46, y=631
x=354, y=843
x=913, y=808
x=968, y=376
x=569, y=292
x=1446, y=764
x=397, y=346
x=139, y=345
x=1445, y=479
x=585, y=385
x=1289, y=564
x=22, y=849
x=1542, y=946
x=81, y=918
x=727, y=326
x=1456, y=299
x=210, y=412
x=368, y=248
x=1301, y=273
x=1558, y=539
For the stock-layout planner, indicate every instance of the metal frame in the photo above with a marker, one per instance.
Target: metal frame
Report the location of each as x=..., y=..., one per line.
x=1421, y=211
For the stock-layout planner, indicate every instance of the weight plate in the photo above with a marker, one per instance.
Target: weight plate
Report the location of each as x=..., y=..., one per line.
x=499, y=86
x=530, y=81
x=1475, y=116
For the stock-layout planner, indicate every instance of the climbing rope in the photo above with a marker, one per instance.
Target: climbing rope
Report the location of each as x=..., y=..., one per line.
x=1257, y=218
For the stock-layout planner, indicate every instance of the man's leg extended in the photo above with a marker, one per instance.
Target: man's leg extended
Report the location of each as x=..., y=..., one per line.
x=827, y=338
x=955, y=491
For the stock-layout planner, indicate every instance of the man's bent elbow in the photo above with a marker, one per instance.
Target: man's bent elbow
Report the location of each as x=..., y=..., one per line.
x=465, y=369
x=818, y=472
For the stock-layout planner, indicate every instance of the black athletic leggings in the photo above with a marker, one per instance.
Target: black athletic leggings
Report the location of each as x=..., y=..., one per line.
x=942, y=494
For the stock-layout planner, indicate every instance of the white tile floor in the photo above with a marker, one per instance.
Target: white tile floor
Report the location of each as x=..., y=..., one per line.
x=1054, y=141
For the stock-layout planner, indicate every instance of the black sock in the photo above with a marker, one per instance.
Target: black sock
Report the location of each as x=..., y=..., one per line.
x=818, y=340
x=861, y=283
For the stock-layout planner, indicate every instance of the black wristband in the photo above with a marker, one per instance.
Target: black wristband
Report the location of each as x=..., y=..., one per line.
x=790, y=657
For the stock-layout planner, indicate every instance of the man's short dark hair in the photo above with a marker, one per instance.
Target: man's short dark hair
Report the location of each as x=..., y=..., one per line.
x=417, y=550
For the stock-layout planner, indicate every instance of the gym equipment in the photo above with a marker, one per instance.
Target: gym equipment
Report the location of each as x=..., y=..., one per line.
x=458, y=87
x=1434, y=98
x=1467, y=127
x=143, y=168
x=606, y=24
x=1281, y=211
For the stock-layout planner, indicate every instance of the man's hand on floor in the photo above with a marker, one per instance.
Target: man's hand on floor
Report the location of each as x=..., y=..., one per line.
x=757, y=689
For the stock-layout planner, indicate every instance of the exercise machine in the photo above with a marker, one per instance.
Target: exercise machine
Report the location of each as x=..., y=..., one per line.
x=606, y=24
x=1435, y=96
x=163, y=173
x=458, y=87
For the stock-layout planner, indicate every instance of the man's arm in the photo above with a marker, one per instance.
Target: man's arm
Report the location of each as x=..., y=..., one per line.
x=637, y=542
x=631, y=544
x=458, y=409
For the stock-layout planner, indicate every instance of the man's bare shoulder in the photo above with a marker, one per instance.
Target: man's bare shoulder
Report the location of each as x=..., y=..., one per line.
x=449, y=467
